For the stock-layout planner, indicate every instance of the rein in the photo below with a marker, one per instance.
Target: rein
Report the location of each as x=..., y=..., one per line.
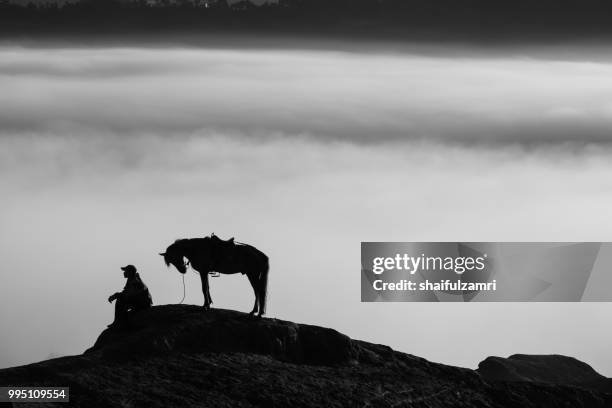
x=187, y=265
x=183, y=275
x=183, y=299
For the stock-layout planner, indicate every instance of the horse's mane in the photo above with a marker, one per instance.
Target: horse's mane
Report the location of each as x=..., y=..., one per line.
x=184, y=241
x=174, y=246
x=180, y=240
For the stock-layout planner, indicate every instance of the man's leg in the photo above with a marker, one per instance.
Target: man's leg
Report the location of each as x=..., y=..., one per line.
x=121, y=309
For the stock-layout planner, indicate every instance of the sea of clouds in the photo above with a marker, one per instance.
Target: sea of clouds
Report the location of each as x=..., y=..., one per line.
x=108, y=154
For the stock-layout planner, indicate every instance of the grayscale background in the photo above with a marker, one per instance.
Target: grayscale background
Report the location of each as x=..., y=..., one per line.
x=110, y=152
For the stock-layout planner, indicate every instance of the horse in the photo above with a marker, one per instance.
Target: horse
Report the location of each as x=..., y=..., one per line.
x=211, y=254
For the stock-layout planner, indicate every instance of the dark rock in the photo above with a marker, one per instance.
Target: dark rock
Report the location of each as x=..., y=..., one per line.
x=186, y=328
x=550, y=369
x=180, y=356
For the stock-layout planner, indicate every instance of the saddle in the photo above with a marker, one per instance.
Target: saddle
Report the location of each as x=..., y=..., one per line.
x=223, y=252
x=223, y=242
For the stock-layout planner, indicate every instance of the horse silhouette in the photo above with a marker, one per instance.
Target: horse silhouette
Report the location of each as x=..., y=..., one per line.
x=211, y=254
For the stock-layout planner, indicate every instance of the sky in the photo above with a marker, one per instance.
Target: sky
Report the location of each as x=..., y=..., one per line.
x=109, y=154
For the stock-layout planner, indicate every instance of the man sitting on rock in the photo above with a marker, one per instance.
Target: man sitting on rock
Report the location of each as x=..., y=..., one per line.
x=134, y=296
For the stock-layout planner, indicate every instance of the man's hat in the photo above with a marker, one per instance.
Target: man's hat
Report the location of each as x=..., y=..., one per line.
x=129, y=268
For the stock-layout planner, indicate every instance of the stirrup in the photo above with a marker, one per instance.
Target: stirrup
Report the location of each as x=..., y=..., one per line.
x=214, y=274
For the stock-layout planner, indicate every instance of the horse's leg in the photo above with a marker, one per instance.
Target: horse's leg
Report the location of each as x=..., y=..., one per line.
x=210, y=302
x=262, y=288
x=253, y=281
x=205, y=290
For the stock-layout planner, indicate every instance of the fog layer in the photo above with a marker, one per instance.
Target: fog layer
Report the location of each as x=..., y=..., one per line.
x=107, y=155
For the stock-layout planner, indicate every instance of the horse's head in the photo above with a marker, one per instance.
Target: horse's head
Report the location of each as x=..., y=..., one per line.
x=175, y=256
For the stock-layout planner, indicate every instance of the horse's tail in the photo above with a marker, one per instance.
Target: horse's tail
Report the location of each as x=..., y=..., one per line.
x=263, y=285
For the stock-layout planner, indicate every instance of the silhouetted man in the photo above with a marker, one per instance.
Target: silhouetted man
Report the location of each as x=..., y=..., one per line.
x=134, y=296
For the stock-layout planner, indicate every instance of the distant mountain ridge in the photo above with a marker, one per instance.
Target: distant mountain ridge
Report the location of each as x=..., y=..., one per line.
x=389, y=19
x=159, y=2
x=179, y=356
